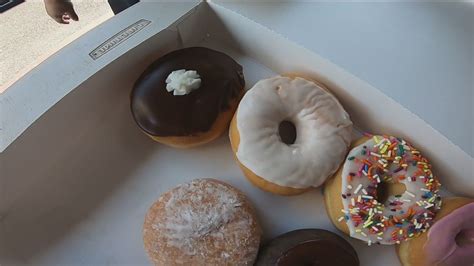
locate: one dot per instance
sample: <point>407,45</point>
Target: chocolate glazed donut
<point>308,247</point>
<point>160,113</point>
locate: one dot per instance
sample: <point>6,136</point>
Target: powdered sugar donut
<point>289,134</point>
<point>203,222</point>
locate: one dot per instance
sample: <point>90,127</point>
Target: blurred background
<point>29,35</point>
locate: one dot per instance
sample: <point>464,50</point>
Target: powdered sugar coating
<point>203,222</point>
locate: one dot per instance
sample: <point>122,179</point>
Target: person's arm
<point>62,11</point>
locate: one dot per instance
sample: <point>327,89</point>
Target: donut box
<point>77,175</point>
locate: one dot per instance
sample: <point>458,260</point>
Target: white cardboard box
<point>77,175</point>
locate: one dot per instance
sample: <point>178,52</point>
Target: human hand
<point>62,11</point>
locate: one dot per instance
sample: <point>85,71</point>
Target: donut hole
<point>465,238</point>
<point>386,189</point>
<point>287,132</point>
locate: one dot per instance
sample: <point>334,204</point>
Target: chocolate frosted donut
<point>308,247</point>
<point>161,113</point>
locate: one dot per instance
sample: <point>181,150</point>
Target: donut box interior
<point>77,175</point>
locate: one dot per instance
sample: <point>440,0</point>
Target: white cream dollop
<point>182,81</point>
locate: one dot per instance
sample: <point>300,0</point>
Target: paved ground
<point>29,35</point>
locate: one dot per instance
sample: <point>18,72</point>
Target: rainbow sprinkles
<point>387,159</point>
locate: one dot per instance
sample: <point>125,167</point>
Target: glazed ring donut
<point>308,247</point>
<point>289,134</point>
<point>376,165</point>
<point>203,222</point>
<point>450,241</point>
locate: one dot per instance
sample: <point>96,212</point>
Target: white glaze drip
<point>323,132</point>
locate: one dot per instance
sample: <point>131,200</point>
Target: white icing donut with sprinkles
<point>383,161</point>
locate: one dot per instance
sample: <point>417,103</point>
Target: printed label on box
<point>118,38</point>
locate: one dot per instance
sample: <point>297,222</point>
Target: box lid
<point>420,54</point>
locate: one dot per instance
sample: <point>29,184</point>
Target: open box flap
<point>370,109</point>
<point>379,44</point>
<point>32,95</point>
<point>86,200</point>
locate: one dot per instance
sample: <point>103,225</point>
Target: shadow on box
<point>71,159</point>
<point>86,147</point>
